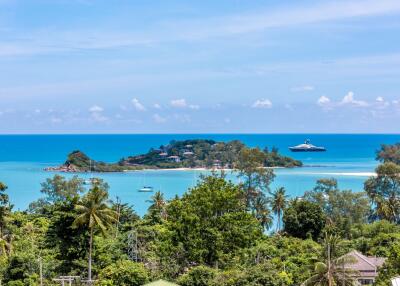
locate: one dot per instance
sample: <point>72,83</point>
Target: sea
<point>350,158</point>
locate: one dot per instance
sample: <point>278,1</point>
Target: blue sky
<point>168,66</point>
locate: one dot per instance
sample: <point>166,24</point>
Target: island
<point>190,154</point>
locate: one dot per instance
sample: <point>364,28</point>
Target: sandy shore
<point>352,174</point>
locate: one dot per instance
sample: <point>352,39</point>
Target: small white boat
<point>146,189</point>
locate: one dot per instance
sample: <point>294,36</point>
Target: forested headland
<point>217,233</point>
<point>195,153</point>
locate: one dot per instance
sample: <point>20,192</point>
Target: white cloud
<point>302,88</point>
<point>323,101</point>
<point>381,103</point>
<point>96,108</point>
<point>97,116</point>
<point>182,103</point>
<point>157,106</point>
<point>138,106</point>
<point>262,103</point>
<point>348,99</point>
<point>178,103</point>
<point>158,118</point>
<point>96,113</point>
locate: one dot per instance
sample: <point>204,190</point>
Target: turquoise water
<point>350,159</point>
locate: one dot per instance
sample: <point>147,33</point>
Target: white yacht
<point>307,147</point>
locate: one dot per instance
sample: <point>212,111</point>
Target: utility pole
<point>133,246</point>
<point>118,215</point>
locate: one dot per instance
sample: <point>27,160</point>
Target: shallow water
<point>350,159</point>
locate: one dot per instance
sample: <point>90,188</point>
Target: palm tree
<point>262,211</point>
<point>158,204</point>
<point>332,271</point>
<point>279,202</point>
<point>94,212</point>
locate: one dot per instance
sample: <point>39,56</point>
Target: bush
<point>123,273</point>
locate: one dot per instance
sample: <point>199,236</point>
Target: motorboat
<point>307,147</point>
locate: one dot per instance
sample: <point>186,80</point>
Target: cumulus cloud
<point>157,106</point>
<point>158,118</point>
<point>262,103</point>
<point>96,108</point>
<point>97,116</point>
<point>96,113</point>
<point>179,103</point>
<point>182,103</point>
<point>348,99</point>
<point>323,101</point>
<point>137,105</point>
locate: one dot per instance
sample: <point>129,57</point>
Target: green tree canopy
<point>343,208</point>
<point>384,191</point>
<point>124,273</point>
<point>303,219</point>
<point>210,222</point>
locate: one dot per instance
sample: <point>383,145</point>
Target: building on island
<point>174,158</point>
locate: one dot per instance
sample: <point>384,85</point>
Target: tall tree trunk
<point>329,266</point>
<point>90,256</point>
<point>278,226</point>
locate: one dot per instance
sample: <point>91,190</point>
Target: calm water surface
<point>350,159</point>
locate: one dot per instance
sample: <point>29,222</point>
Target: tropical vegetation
<point>218,233</point>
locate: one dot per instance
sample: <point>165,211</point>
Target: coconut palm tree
<point>262,212</point>
<point>158,205</point>
<point>279,201</point>
<point>94,213</point>
<point>332,271</point>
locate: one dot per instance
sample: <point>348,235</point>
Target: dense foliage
<point>217,233</point>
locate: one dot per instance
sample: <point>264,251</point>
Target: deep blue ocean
<point>349,158</point>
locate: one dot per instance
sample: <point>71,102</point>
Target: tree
<point>303,219</point>
<point>389,153</point>
<point>123,273</point>
<point>198,276</point>
<point>250,166</point>
<point>94,212</point>
<point>156,211</point>
<point>57,189</point>
<point>208,223</point>
<point>262,212</point>
<point>391,268</point>
<point>334,269</point>
<point>5,208</point>
<point>343,208</point>
<point>384,191</point>
<point>256,178</point>
<point>279,201</point>
<point>68,241</point>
